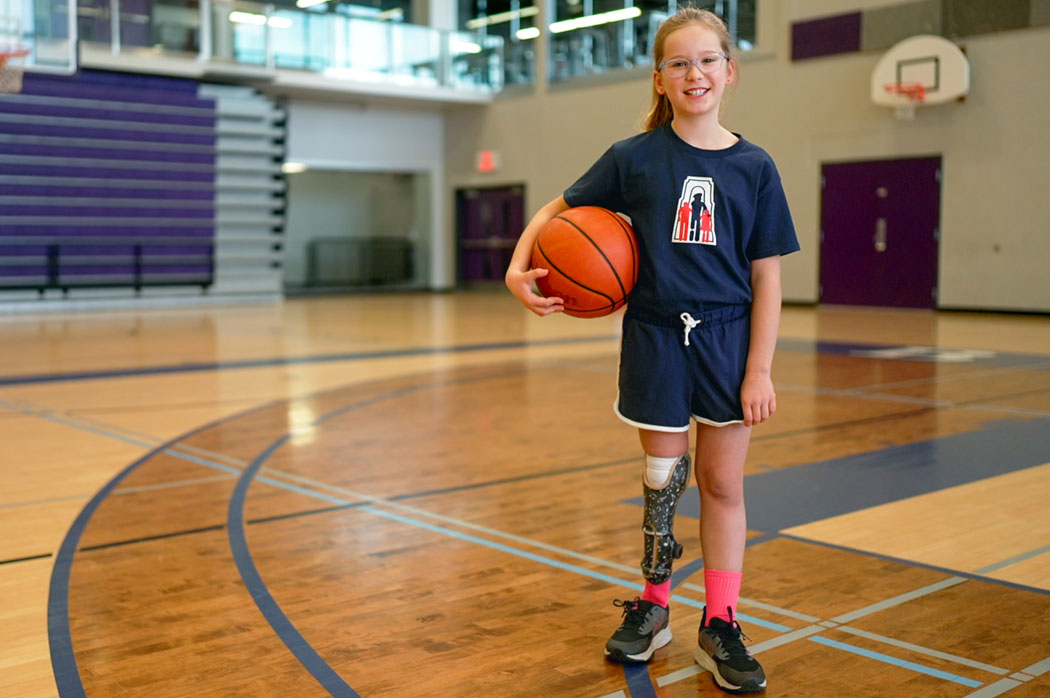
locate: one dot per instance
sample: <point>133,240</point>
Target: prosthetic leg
<point>661,548</point>
<point>646,624</point>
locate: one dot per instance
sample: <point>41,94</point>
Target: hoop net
<point>12,65</point>
<point>911,94</point>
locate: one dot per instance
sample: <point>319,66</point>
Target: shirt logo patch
<point>695,222</point>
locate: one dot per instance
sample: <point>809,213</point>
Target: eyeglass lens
<point>679,67</point>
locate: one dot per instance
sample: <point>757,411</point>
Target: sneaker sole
<point>659,640</point>
<point>708,662</point>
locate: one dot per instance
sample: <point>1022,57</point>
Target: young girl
<point>699,330</point>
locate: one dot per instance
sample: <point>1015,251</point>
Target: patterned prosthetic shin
<point>661,549</point>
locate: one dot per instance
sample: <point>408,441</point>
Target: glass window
<point>589,37</point>
<point>517,23</point>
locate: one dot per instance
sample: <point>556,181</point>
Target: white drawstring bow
<point>690,323</point>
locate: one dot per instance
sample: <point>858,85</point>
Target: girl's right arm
<point>520,278</point>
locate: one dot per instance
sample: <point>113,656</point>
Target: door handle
<point>880,235</point>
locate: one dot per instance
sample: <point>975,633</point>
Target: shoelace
<point>632,611</point>
<point>731,637</point>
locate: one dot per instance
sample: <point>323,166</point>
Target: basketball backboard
<point>927,60</point>
<point>47,28</point>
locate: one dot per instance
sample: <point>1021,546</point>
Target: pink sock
<point>723,592</point>
<point>658,593</point>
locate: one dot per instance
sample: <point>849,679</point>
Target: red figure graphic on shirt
<point>694,219</point>
<point>706,227</point>
<point>685,213</point>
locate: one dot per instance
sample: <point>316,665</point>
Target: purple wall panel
<point>116,115</point>
<point>123,134</point>
<point>108,212</point>
<point>107,192</point>
<point>203,231</point>
<point>118,87</point>
<point>826,36</point>
<point>94,172</point>
<point>103,154</point>
<point>98,244</point>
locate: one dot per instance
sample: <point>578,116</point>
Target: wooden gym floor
<point>429,495</point>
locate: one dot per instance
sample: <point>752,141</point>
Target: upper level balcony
<point>281,49</point>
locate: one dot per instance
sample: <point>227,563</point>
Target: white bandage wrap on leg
<point>658,470</point>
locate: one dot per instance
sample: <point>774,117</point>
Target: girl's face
<point>697,93</point>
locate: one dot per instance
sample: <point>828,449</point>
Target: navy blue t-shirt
<point>700,216</point>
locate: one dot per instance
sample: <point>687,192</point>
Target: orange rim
<point>912,90</point>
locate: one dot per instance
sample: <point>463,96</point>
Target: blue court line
<point>57,605</point>
<point>60,641</point>
<point>242,557</point>
<point>879,656</point>
<point>639,683</point>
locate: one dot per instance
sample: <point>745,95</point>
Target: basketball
<point>591,255</point>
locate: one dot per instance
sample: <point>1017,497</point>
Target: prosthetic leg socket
<point>661,548</point>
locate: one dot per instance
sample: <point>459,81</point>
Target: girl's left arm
<point>756,393</point>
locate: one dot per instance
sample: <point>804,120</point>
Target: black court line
<point>25,559</point>
<point>149,539</point>
<point>203,529</point>
<point>1034,361</point>
<point>911,563</point>
<point>289,361</point>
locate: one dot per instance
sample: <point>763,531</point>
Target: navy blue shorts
<point>663,383</point>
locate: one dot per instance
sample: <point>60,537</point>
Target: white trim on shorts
<point>712,423</point>
<point>640,425</point>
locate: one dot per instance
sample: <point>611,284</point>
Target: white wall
<point>341,135</point>
<point>994,206</point>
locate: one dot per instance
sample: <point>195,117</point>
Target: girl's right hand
<point>523,285</point>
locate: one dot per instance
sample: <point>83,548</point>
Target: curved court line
<point>637,677</point>
<point>60,641</point>
<point>292,638</point>
<point>89,510</point>
<point>59,637</point>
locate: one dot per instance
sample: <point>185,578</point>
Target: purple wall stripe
<point>107,192</point>
<point>108,212</point>
<point>120,89</point>
<point>114,114</point>
<point>160,135</point>
<point>102,154</point>
<point>107,173</point>
<point>826,36</point>
<point>204,232</point>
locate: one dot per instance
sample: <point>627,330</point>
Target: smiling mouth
<point>697,92</point>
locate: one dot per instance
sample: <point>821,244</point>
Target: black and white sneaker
<point>644,630</point>
<point>722,652</point>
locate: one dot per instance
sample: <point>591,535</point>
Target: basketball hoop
<point>12,65</point>
<point>910,94</point>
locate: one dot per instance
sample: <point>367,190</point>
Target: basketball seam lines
<point>595,291</point>
<point>630,241</point>
<point>612,267</point>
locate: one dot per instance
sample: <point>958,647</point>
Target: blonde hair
<point>660,112</point>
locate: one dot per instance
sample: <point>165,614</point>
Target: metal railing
<point>332,44</point>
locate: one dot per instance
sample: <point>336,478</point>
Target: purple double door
<point>880,225</point>
<point>489,222</point>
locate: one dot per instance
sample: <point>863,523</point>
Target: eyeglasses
<point>679,67</point>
